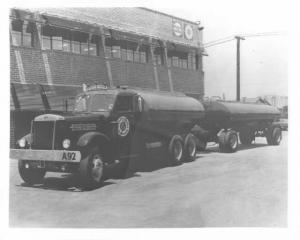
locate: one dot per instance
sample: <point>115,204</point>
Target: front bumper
<point>46,155</point>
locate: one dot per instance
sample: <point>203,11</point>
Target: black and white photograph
<point>148,116</point>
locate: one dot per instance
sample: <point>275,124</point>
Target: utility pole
<point>238,86</point>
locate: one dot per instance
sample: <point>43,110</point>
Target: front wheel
<point>92,169</point>
<point>29,174</point>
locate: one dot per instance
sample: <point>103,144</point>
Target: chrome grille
<point>43,135</point>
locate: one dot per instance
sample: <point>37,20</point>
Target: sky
<point>264,60</point>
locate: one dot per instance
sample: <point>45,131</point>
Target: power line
<point>218,40</point>
<point>217,43</point>
<point>232,37</point>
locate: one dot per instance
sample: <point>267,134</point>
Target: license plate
<point>69,156</point>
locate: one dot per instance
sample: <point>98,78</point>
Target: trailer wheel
<point>30,175</point>
<point>228,141</point>
<point>190,147</point>
<point>247,136</point>
<point>91,169</point>
<point>274,136</point>
<point>175,150</point>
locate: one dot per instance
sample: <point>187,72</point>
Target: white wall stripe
<point>47,68</point>
<point>20,66</point>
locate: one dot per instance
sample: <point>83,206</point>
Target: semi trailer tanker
<point>226,122</point>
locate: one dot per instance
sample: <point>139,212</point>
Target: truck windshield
<point>94,103</point>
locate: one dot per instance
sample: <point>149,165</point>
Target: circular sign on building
<point>188,32</point>
<point>177,29</point>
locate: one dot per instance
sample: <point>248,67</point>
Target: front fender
<point>89,137</point>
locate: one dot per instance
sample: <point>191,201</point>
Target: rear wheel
<point>190,147</point>
<point>30,174</point>
<point>176,150</point>
<point>274,136</point>
<point>228,141</point>
<point>92,169</point>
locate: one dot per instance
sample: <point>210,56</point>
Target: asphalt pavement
<point>243,189</point>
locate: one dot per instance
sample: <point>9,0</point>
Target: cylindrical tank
<point>230,113</point>
<point>169,113</point>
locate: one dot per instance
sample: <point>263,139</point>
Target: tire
<point>246,136</point>
<point>92,168</point>
<point>274,136</point>
<point>190,148</point>
<point>175,150</point>
<point>30,175</point>
<point>228,141</point>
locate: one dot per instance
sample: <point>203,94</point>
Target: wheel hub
<point>177,151</point>
<point>191,149</point>
<point>233,141</point>
<point>97,168</point>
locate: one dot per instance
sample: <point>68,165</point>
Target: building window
<point>69,41</point>
<point>94,45</point>
<point>76,47</point>
<point>57,43</point>
<point>129,55</point>
<point>126,50</point>
<point>80,42</point>
<point>16,38</point>
<point>143,57</point>
<point>27,39</point>
<point>116,51</point>
<point>184,63</point>
<point>108,51</point>
<point>22,36</point>
<point>136,56</point>
<point>182,59</point>
<point>124,54</point>
<point>66,45</point>
<point>158,56</point>
<point>84,48</point>
<point>192,61</point>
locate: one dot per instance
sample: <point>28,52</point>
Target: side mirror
<point>138,103</point>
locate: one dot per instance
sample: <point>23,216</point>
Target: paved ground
<point>243,189</point>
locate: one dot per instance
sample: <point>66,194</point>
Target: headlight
<point>22,142</point>
<point>66,143</point>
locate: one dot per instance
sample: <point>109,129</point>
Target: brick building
<point>54,51</point>
<point>114,46</point>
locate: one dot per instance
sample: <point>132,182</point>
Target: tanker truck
<point>109,131</point>
<point>112,131</point>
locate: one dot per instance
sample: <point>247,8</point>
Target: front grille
<point>42,135</point>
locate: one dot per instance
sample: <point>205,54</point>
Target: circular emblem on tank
<point>123,126</point>
<point>188,32</point>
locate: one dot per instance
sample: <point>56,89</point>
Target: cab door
<point>124,118</point>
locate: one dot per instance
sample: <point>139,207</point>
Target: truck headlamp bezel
<point>66,143</point>
<point>22,143</point>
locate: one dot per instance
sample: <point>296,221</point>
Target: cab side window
<point>124,104</point>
